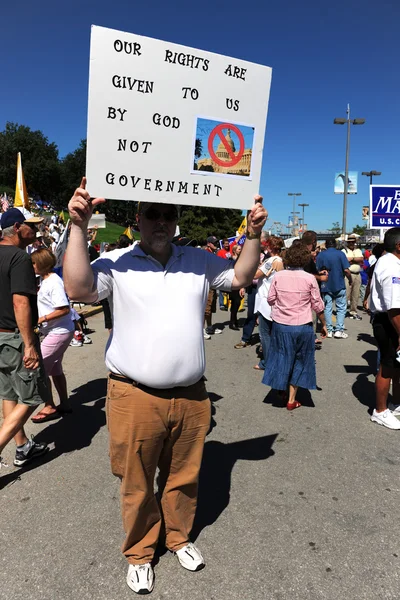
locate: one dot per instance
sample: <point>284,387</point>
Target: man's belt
<point>123,379</point>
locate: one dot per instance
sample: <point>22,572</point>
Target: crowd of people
<point>158,410</point>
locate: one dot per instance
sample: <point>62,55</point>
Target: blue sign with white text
<point>384,206</point>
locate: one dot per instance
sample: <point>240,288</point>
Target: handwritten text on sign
<point>167,123</point>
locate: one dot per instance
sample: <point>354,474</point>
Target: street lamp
<point>294,204</point>
<point>303,207</point>
<point>371,174</point>
<point>346,172</point>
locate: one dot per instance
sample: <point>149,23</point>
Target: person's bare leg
<point>8,406</point>
<point>382,387</point>
<point>292,393</point>
<point>49,408</point>
<point>14,421</point>
<point>60,384</point>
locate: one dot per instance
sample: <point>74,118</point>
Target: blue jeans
<point>265,328</point>
<point>221,299</point>
<point>251,319</point>
<point>340,299</point>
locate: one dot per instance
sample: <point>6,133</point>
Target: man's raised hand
<point>80,207</point>
<point>257,216</point>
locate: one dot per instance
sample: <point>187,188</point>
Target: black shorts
<point>387,340</point>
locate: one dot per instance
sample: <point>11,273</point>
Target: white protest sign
<point>168,123</point>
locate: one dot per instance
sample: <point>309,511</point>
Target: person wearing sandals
<point>57,327</point>
<point>265,276</point>
<point>293,295</point>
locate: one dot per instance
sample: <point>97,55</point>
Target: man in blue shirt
<point>337,264</point>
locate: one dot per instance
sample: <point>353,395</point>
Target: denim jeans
<point>265,328</point>
<point>251,319</point>
<point>221,299</point>
<point>340,299</point>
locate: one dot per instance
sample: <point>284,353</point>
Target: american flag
<point>5,205</point>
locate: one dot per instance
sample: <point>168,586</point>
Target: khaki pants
<point>164,428</point>
<point>353,292</point>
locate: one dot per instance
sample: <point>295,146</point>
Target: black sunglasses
<point>154,214</point>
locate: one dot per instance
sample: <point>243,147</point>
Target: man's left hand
<point>257,216</point>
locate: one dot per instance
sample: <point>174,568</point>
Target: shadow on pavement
<point>364,389</point>
<point>215,475</point>
<point>303,396</point>
<point>71,432</point>
<point>367,338</point>
<point>213,398</point>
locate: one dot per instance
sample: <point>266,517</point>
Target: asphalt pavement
<point>292,505</point>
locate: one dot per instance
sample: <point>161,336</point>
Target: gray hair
<point>8,231</point>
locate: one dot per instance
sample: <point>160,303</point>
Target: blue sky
<point>323,56</point>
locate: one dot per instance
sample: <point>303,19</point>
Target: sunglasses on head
<point>154,214</point>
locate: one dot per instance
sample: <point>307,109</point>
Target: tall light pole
<point>294,204</point>
<point>371,174</point>
<point>303,207</point>
<point>346,172</point>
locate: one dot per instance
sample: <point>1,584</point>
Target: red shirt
<point>223,253</point>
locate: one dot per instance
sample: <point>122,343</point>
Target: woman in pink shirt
<point>293,295</point>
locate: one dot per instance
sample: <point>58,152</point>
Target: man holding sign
<point>158,411</point>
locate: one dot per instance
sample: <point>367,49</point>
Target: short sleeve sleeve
<point>58,295</point>
<point>103,279</point>
<point>395,289</point>
<point>22,275</point>
<point>220,273</point>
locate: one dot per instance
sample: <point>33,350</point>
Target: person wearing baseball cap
<point>212,243</point>
<point>23,383</point>
<point>356,259</point>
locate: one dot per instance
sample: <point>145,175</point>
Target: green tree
<point>40,161</point>
<point>359,229</point>
<point>198,222</point>
<point>73,168</point>
<point>336,229</point>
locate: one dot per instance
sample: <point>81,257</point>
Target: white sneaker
<point>386,418</point>
<point>87,339</point>
<point>330,334</point>
<point>76,343</point>
<point>206,335</point>
<point>216,330</point>
<point>140,578</point>
<point>340,335</point>
<point>190,558</point>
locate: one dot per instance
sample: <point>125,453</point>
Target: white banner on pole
<point>168,123</point>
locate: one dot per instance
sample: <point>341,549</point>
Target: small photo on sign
<point>222,148</point>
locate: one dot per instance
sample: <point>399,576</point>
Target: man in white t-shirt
<point>158,411</point>
<point>356,260</point>
<point>385,307</point>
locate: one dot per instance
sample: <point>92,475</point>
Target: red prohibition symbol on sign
<point>218,131</point>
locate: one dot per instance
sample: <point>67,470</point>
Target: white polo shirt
<point>385,286</point>
<point>158,313</point>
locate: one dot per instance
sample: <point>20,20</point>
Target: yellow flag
<point>128,232</point>
<point>21,195</point>
<point>62,216</point>
<point>242,227</point>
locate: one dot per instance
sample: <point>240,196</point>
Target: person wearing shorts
<point>57,327</point>
<point>385,306</point>
<point>23,383</point>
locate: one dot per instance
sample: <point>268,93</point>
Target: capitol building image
<point>243,167</point>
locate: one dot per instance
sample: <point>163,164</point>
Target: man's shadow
<point>215,475</point>
<point>72,431</point>
<point>364,389</point>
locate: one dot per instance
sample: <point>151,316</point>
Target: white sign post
<point>168,123</point>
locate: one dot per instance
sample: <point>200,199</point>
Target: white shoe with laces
<point>190,558</point>
<point>216,330</point>
<point>140,578</point>
<point>340,335</point>
<point>385,418</point>
<point>206,335</point>
<point>330,334</point>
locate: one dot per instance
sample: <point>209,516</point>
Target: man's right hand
<point>31,358</point>
<point>323,276</point>
<point>81,207</point>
